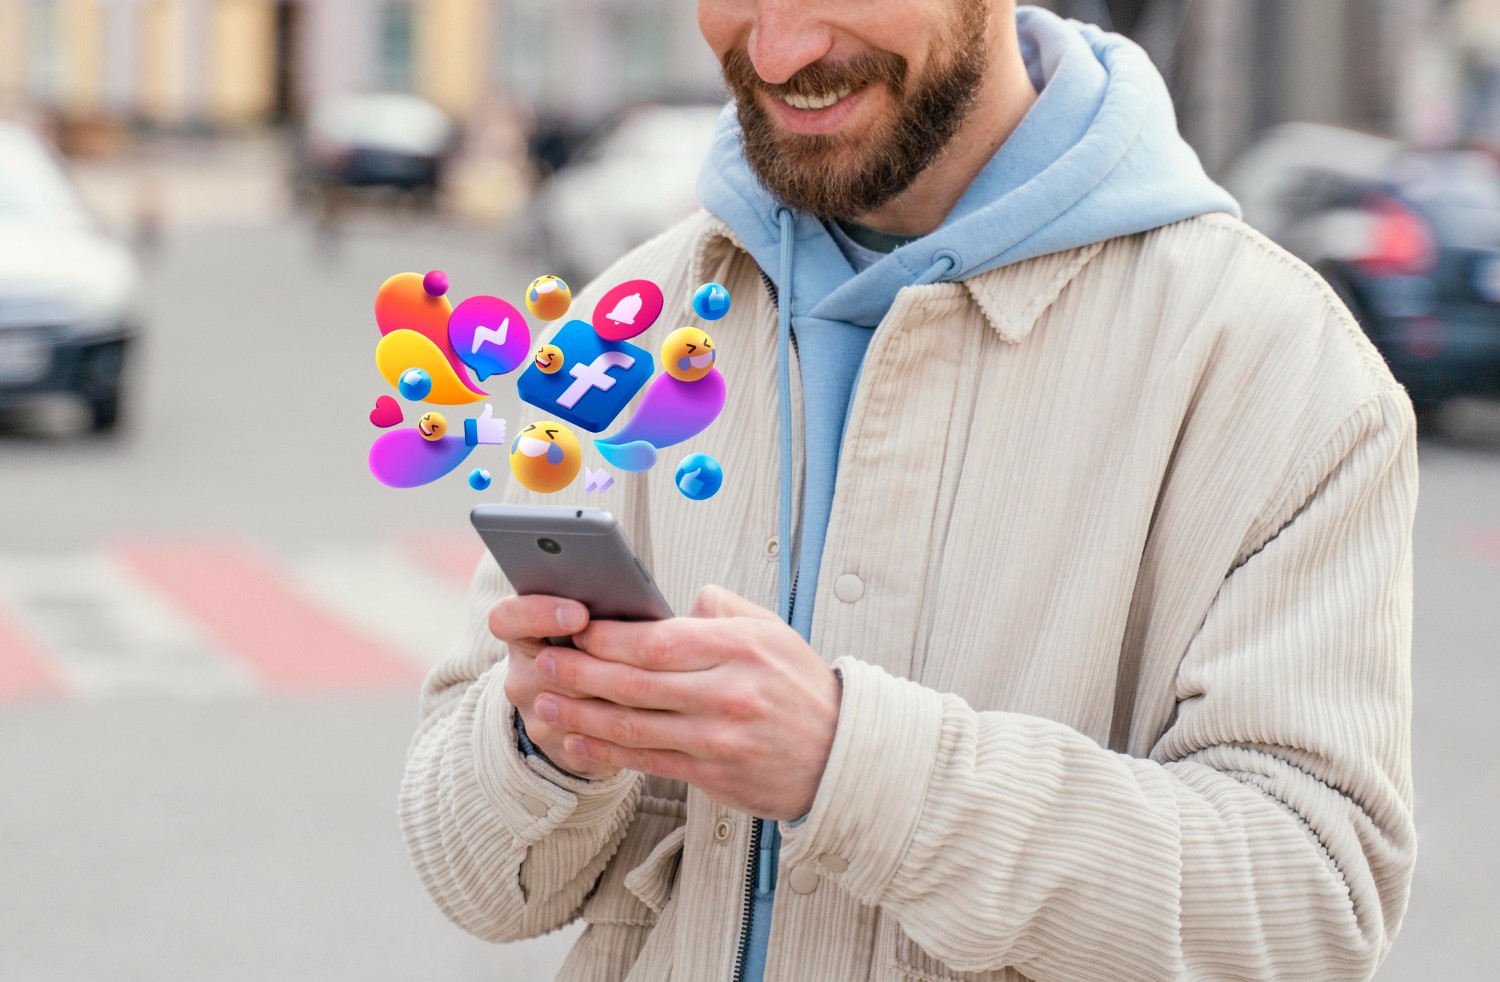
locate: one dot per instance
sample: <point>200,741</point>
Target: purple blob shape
<point>403,459</point>
<point>435,283</point>
<point>671,411</point>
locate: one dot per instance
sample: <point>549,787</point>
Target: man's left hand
<point>729,699</point>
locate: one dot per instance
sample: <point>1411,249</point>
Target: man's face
<point>844,103</point>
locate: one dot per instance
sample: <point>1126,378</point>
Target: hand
<point>485,430</point>
<point>729,699</point>
<point>524,623</point>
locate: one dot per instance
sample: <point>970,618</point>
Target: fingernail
<point>570,616</point>
<point>546,708</point>
<point>547,665</point>
<point>575,746</point>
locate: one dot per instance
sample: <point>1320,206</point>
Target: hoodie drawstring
<point>784,399</point>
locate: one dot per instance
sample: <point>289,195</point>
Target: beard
<point>840,176</point>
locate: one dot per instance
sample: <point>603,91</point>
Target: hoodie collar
<point>1011,298</point>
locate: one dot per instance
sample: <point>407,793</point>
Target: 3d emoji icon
<point>546,457</point>
<point>549,359</point>
<point>687,354</point>
<point>433,426</point>
<point>548,298</point>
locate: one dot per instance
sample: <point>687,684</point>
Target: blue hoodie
<point>1097,156</point>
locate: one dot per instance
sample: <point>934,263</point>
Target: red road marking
<point>1481,542</point>
<point>450,555</point>
<point>25,672</point>
<point>252,608</point>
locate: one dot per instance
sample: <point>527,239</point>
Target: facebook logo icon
<point>597,379</point>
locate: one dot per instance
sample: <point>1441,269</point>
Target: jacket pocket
<point>636,883</point>
<point>903,960</point>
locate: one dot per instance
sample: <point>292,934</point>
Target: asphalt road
<point>172,811</point>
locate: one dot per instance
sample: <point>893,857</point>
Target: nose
<point>787,37</point>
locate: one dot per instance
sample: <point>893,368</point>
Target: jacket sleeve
<point>1270,833</point>
<point>507,845</point>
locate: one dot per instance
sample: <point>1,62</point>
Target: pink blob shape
<point>627,310</point>
<point>671,411</point>
<point>403,459</point>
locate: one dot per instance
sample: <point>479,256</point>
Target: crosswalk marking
<point>108,634</point>
<point>394,600</point>
<point>24,672</point>
<point>257,612</point>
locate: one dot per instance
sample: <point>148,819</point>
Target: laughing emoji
<point>549,359</point>
<point>545,457</point>
<point>432,426</point>
<point>688,354</point>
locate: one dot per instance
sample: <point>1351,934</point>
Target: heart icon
<point>387,412</point>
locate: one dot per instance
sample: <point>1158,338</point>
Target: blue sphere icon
<point>415,384</point>
<point>711,301</point>
<point>699,476</point>
<point>479,479</point>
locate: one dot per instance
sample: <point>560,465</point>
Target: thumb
<point>489,411</point>
<point>716,601</point>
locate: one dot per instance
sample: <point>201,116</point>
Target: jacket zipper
<point>742,950</point>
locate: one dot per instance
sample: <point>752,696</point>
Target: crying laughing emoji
<point>688,354</point>
<point>545,457</point>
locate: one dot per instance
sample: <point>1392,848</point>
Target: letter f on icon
<point>594,375</point>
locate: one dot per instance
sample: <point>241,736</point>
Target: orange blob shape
<point>401,304</point>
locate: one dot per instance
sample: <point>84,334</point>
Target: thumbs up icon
<point>485,429</point>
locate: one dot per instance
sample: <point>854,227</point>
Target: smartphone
<point>577,553</point>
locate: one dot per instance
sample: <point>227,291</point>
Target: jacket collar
<point>1012,298</point>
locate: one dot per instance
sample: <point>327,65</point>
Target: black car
<point>390,140</point>
<point>1409,239</point>
<point>68,292</point>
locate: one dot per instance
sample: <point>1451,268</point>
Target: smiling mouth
<point>702,361</point>
<point>544,360</point>
<point>812,103</point>
<point>531,446</point>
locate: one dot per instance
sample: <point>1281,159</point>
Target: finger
<point>716,601</point>
<point>574,672</point>
<point>536,616</point>
<point>638,728</point>
<point>677,645</point>
<point>671,764</point>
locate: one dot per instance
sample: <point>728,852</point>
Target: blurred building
<point>231,63</point>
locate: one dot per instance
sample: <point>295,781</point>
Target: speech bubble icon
<point>490,335</point>
<point>671,411</point>
<point>403,459</point>
<point>400,351</point>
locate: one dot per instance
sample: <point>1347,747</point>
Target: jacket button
<point>832,863</point>
<point>804,879</point>
<point>538,807</point>
<point>723,830</point>
<point>773,548</point>
<point>849,588</point>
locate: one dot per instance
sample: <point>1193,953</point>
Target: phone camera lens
<point>551,546</point>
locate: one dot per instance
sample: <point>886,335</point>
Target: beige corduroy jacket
<point>1118,577</point>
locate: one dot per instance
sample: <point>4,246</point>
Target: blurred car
<point>387,139</point>
<point>68,292</point>
<point>1409,239</point>
<point>636,178</point>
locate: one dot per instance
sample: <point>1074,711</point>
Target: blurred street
<point>184,801</point>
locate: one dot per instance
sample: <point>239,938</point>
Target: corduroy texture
<point>1135,522</point>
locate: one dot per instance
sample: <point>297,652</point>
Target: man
<point>1065,542</point>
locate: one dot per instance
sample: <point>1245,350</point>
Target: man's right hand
<point>524,624</point>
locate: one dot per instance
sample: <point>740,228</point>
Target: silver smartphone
<point>577,553</point>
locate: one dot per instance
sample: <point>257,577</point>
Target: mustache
<point>818,79</point>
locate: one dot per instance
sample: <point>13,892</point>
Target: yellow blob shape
<point>549,359</point>
<point>400,350</point>
<point>432,426</point>
<point>545,457</point>
<point>548,298</point>
<point>688,354</point>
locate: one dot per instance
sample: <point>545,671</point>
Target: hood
<point>64,274</point>
<point>1098,156</point>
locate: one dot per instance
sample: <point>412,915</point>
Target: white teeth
<point>814,102</point>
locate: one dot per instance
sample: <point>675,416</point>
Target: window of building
<point>394,65</point>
